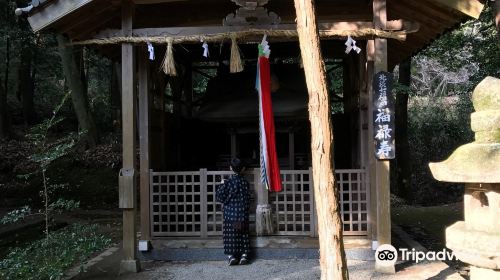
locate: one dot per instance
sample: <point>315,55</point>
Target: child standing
<point>234,194</point>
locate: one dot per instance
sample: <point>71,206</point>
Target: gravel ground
<point>259,269</point>
<point>284,269</point>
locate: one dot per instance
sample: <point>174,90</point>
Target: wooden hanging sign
<point>383,116</point>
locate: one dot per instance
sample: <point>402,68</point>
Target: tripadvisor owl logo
<point>386,255</point>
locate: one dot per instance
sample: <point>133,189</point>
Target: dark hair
<point>237,165</point>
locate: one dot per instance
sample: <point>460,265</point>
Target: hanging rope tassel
<point>236,65</point>
<point>168,64</point>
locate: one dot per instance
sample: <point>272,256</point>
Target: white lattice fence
<point>183,203</point>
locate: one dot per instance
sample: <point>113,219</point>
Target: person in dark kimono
<point>234,194</point>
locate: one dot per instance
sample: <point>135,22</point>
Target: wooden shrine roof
<point>83,19</point>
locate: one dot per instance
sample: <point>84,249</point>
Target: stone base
<point>127,266</point>
<point>386,269</point>
<point>477,248</point>
<point>478,273</point>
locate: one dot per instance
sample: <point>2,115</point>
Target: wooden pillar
<point>364,135</point>
<point>332,255</point>
<point>371,175</point>
<point>130,263</point>
<point>382,167</point>
<point>144,139</point>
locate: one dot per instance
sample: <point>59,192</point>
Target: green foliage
<point>15,215</point>
<point>436,127</point>
<point>64,205</point>
<point>443,77</point>
<point>473,47</point>
<point>49,258</point>
<point>335,87</point>
<point>47,153</point>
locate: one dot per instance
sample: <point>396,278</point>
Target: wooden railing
<point>183,203</point>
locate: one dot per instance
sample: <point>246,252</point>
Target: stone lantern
<point>477,240</point>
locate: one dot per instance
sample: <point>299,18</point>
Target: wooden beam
<point>54,11</point>
<point>382,182</point>
<point>130,263</point>
<point>144,140</point>
<point>472,8</point>
<point>395,25</point>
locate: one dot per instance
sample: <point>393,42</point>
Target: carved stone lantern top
<point>479,161</point>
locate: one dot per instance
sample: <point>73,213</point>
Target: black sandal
<point>244,259</point>
<point>232,260</point>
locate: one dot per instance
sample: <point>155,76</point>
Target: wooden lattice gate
<point>183,203</point>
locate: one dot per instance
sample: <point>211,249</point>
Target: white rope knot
<point>151,51</point>
<point>351,45</point>
<point>206,53</point>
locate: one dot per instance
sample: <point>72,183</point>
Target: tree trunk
<point>402,147</point>
<point>78,93</point>
<point>326,194</point>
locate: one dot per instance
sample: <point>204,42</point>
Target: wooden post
<point>144,138</point>
<point>371,174</point>
<point>130,262</point>
<point>364,136</point>
<point>382,167</point>
<point>326,195</point>
<point>203,202</point>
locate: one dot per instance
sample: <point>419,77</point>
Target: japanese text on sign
<point>383,116</point>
